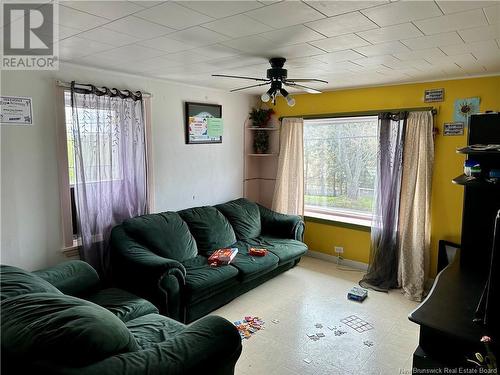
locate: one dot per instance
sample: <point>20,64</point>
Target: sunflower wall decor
<point>464,108</point>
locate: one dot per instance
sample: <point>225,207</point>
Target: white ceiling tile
<point>173,15</point>
<point>480,33</point>
<point>107,9</point>
<point>74,47</point>
<point>402,11</point>
<point>459,49</point>
<point>237,26</point>
<point>187,57</point>
<point>420,64</point>
<point>78,20</point>
<point>460,6</point>
<point>493,14</point>
<point>252,44</point>
<point>285,14</point>
<point>166,44</point>
<point>238,62</point>
<point>333,8</point>
<point>420,54</point>
<point>430,41</point>
<point>219,9</point>
<point>215,51</point>
<point>292,35</point>
<point>63,32</point>
<point>382,49</point>
<point>390,33</point>
<point>131,53</point>
<point>376,60</point>
<point>339,43</point>
<point>157,63</point>
<point>297,50</point>
<point>198,36</point>
<point>343,24</point>
<point>114,38</point>
<point>464,59</point>
<point>138,27</point>
<point>333,57</point>
<point>147,3</point>
<point>456,21</point>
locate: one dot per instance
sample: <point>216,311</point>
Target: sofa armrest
<point>211,345</point>
<point>73,277</point>
<point>142,272</point>
<point>281,225</point>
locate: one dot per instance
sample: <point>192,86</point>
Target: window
<point>340,164</point>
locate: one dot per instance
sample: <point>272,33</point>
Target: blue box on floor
<point>357,294</point>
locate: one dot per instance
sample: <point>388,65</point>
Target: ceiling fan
<point>277,77</point>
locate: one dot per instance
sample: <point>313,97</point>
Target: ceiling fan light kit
<point>277,78</point>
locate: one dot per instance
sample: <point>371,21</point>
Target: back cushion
<point>165,234</point>
<point>61,328</point>
<point>209,227</point>
<point>16,281</point>
<point>244,216</point>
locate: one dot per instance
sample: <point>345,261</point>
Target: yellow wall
<point>447,198</point>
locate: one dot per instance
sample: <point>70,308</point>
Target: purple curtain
<point>382,273</point>
<point>110,166</point>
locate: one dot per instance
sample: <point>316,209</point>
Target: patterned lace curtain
<point>110,166</point>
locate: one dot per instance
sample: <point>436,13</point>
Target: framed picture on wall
<point>203,123</point>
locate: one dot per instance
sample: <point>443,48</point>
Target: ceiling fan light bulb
<point>290,100</point>
<point>265,97</point>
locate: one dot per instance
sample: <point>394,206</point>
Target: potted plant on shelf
<point>260,119</point>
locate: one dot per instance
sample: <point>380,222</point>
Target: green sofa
<point>60,321</point>
<point>163,257</point>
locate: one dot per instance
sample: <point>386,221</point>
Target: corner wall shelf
<point>468,181</point>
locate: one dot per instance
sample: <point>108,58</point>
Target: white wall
<point>184,175</point>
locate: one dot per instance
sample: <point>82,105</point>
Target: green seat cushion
<point>16,281</point>
<point>209,227</point>
<point>150,330</point>
<point>204,281</point>
<point>244,217</point>
<point>285,249</point>
<point>251,267</point>
<point>165,234</point>
<point>61,328</point>
<point>124,305</point>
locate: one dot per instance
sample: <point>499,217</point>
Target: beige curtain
<point>414,211</point>
<point>289,189</point>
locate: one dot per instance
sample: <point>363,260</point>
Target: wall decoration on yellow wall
<point>464,108</point>
<point>433,95</point>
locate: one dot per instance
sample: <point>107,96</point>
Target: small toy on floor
<point>357,294</point>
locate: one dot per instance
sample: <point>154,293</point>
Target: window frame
<point>338,215</point>
<point>70,244</point>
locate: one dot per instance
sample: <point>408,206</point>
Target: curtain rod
<point>80,85</point>
<point>361,113</point>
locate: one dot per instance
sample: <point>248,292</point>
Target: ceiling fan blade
<point>249,87</point>
<point>240,77</point>
<point>305,80</point>
<point>310,90</point>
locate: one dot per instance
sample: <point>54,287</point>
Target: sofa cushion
<point>61,328</point>
<point>124,305</point>
<point>16,281</point>
<point>165,234</point>
<point>204,281</point>
<point>285,249</point>
<point>209,227</point>
<point>152,329</point>
<point>244,217</point>
<point>250,266</point>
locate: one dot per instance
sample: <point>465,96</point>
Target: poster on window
<point>204,123</point>
<point>16,110</point>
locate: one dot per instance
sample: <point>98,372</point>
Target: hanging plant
<point>260,117</point>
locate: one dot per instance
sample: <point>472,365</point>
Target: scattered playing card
<point>307,360</point>
<point>320,334</point>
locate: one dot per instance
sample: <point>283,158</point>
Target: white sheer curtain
<point>289,189</point>
<point>414,211</point>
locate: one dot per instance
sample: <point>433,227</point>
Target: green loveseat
<point>60,321</point>
<point>163,257</point>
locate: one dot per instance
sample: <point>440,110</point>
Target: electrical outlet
<point>339,250</point>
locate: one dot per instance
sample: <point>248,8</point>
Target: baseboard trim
<point>331,258</point>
